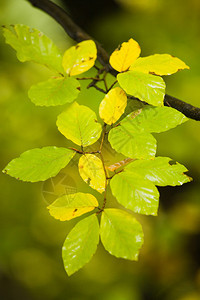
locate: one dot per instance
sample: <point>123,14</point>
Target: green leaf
<point>78,123</point>
<point>71,206</point>
<point>146,87</point>
<point>33,45</point>
<point>80,244</point>
<point>92,172</point>
<point>121,234</point>
<point>55,91</point>
<point>154,119</point>
<point>131,143</point>
<point>160,64</point>
<point>132,137</point>
<point>159,171</point>
<point>39,164</point>
<point>135,193</point>
<point>80,58</point>
<point>113,105</point>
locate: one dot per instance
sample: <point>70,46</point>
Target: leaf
<point>122,58</point>
<point>159,171</point>
<point>154,119</point>
<point>78,123</point>
<point>71,206</point>
<point>113,105</point>
<point>39,164</point>
<point>132,137</point>
<point>80,244</point>
<point>135,193</point>
<point>132,143</point>
<point>146,87</point>
<point>119,164</point>
<point>55,91</point>
<point>121,234</point>
<point>160,64</point>
<point>80,58</point>
<point>92,172</point>
<point>33,45</point>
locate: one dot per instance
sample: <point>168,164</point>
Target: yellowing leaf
<point>122,58</point>
<point>160,64</point>
<point>113,105</point>
<point>80,58</point>
<point>92,172</point>
<point>78,123</point>
<point>119,164</point>
<point>71,206</point>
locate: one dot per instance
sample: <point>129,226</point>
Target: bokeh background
<point>30,239</point>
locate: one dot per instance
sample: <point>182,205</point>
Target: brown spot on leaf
<point>78,88</point>
<point>77,46</point>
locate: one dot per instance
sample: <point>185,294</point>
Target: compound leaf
<point>113,105</point>
<point>146,87</point>
<point>159,171</point>
<point>135,193</point>
<point>33,45</point>
<point>39,164</point>
<point>55,91</point>
<point>121,234</point>
<point>79,58</point>
<point>80,244</point>
<point>122,58</point>
<point>71,206</point>
<point>78,123</point>
<point>160,64</point>
<point>92,172</point>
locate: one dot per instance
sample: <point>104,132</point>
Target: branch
<point>77,34</point>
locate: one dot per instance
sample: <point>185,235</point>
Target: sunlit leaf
<point>92,172</point>
<point>159,171</point>
<point>121,234</point>
<point>80,58</point>
<point>154,119</point>
<point>78,123</point>
<point>146,87</point>
<point>113,105</point>
<point>39,164</point>
<point>33,45</point>
<point>160,64</point>
<point>71,206</point>
<point>132,137</point>
<point>122,58</point>
<point>55,91</point>
<point>80,244</point>
<point>131,143</point>
<point>135,193</point>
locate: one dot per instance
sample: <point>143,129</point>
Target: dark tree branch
<point>77,34</point>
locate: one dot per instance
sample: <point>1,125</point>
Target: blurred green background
<point>30,239</point>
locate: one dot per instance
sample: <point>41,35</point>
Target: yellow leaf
<point>79,58</point>
<point>113,105</point>
<point>92,172</point>
<point>71,206</point>
<point>122,58</point>
<point>159,64</point>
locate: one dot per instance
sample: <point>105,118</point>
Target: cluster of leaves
<point>133,180</point>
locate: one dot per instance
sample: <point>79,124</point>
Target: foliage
<point>132,181</point>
